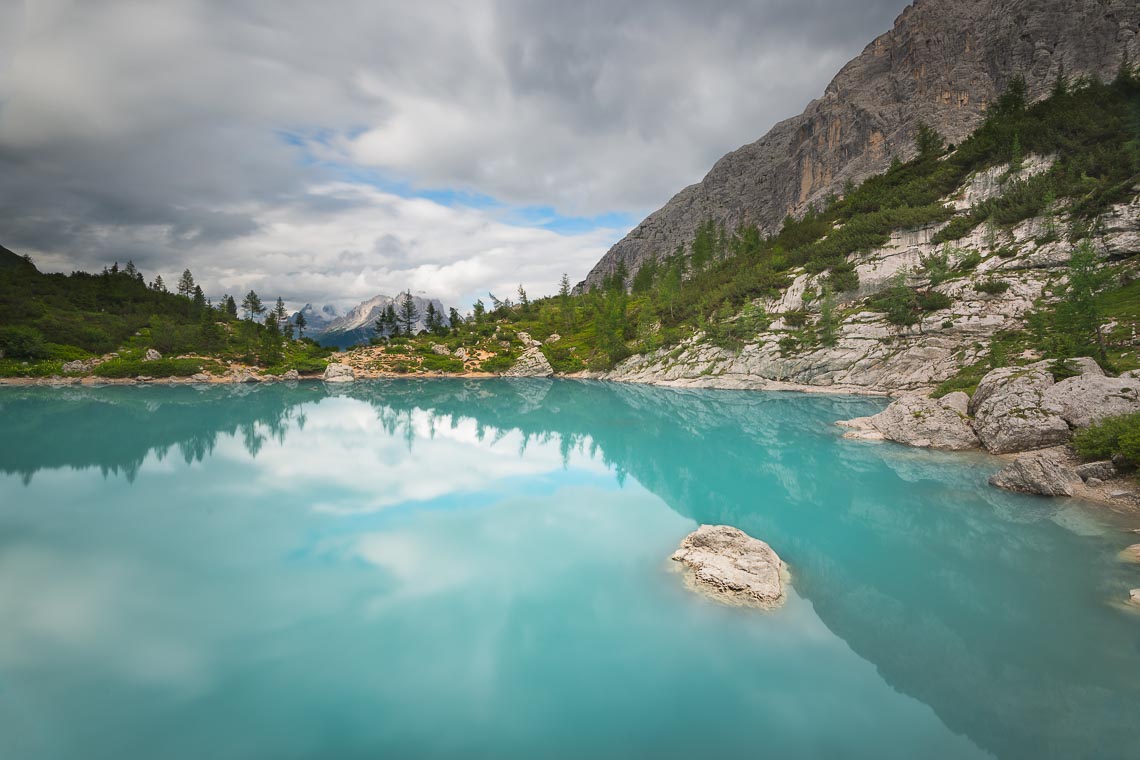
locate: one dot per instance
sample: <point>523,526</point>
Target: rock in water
<point>1131,554</point>
<point>532,363</point>
<point>1038,474</point>
<point>732,566</point>
<point>1134,596</point>
<point>1012,412</point>
<point>339,373</point>
<point>291,375</point>
<point>925,422</point>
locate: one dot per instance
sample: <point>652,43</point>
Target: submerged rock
<point>1134,596</point>
<point>1037,474</point>
<point>532,363</point>
<point>1131,554</point>
<point>733,567</point>
<point>339,373</point>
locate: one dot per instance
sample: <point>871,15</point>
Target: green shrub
<point>120,368</point>
<point>932,300</point>
<point>1115,435</point>
<point>562,358</point>
<point>795,318</point>
<point>959,227</point>
<point>992,287</point>
<point>500,363</point>
<point>439,363</point>
<point>22,343</point>
<point>843,278</point>
<point>969,262</point>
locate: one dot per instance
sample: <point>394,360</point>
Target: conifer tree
<point>199,297</point>
<point>158,285</point>
<point>280,312</point>
<point>408,315</point>
<point>252,305</point>
<point>186,284</point>
<point>231,307</point>
<point>299,322</point>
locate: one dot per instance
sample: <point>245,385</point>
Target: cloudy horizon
<point>330,153</point>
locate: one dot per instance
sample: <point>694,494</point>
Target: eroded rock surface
<point>1012,412</point>
<point>733,567</point>
<point>1038,474</point>
<point>918,421</point>
<point>532,363</point>
<point>339,373</point>
<point>1085,400</point>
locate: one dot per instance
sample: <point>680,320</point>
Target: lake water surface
<point>480,569</point>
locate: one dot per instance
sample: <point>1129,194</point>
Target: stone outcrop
<point>532,363</point>
<point>291,375</point>
<point>440,350</point>
<point>919,421</point>
<point>1085,400</point>
<point>1039,474</point>
<point>338,373</point>
<point>942,63</point>
<point>151,355</point>
<point>1102,471</point>
<point>733,567</point>
<point>1011,412</point>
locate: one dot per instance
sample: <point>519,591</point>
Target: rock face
<point>732,566</point>
<point>1037,474</point>
<point>918,421</point>
<point>1105,470</point>
<point>942,63</point>
<point>532,363</point>
<point>1090,398</point>
<point>338,373</point>
<point>1012,413</point>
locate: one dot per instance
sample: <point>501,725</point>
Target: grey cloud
<point>153,131</point>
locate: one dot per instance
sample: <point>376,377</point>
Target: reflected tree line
<point>906,555</point>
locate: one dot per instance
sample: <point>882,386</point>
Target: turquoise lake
<point>455,568</point>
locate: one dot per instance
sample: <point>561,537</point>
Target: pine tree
<point>252,305</point>
<point>280,312</point>
<point>131,270</point>
<point>524,302</point>
<point>199,297</point>
<point>927,140</point>
<point>1016,159</point>
<point>478,311</point>
<point>158,285</point>
<point>231,307</point>
<point>392,325</point>
<point>186,284</point>
<point>299,322</point>
<point>453,318</point>
<point>564,305</point>
<point>827,320</point>
<point>408,315</point>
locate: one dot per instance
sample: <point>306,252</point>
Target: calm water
<point>469,569</point>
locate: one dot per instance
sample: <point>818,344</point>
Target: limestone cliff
<point>941,63</point>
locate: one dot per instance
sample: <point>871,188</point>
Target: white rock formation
<point>733,567</point>
<point>919,421</point>
<point>1011,412</point>
<point>1037,474</point>
<point>338,373</point>
<point>532,363</point>
<point>151,355</point>
<point>1090,398</point>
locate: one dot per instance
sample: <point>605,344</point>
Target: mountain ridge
<point>942,63</point>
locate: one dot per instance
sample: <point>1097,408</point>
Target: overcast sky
<point>331,151</point>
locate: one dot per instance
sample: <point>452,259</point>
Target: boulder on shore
<point>732,567</point>
<point>1088,399</point>
<point>1037,474</point>
<point>1012,413</point>
<point>1104,470</point>
<point>532,363</point>
<point>338,373</point>
<point>918,421</point>
<point>291,375</point>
